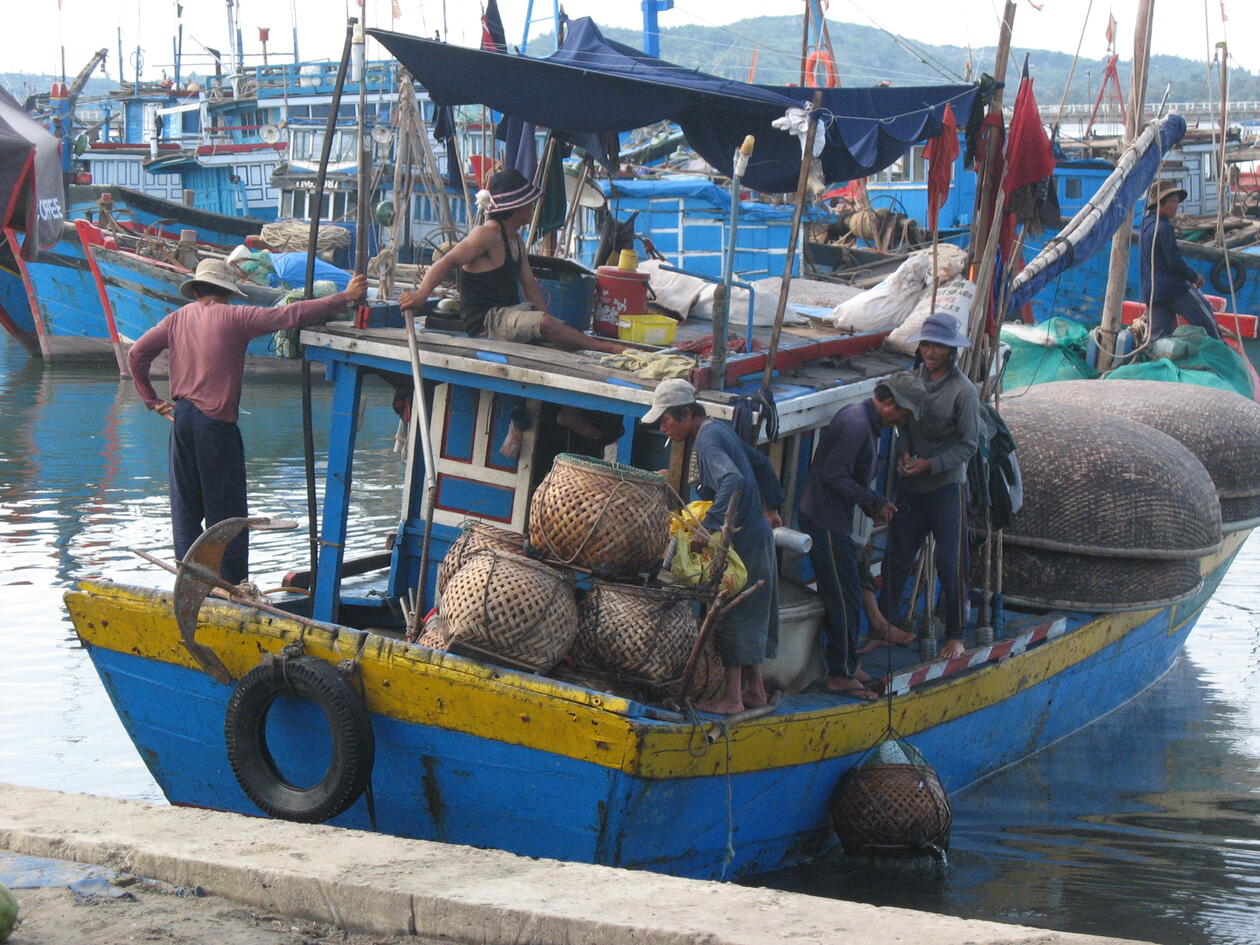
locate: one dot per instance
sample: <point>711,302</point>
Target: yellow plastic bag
<point>693,568</point>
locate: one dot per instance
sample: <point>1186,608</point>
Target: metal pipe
<point>717,361</point>
<point>317,202</point>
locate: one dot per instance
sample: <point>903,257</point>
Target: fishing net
<point>1191,356</point>
<point>1053,350</point>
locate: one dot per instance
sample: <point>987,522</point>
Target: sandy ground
<point>156,916</point>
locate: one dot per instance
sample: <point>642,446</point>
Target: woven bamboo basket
<point>435,633</point>
<point>643,633</point>
<point>603,517</point>
<point>1221,428</point>
<point>1116,514</point>
<point>891,809</point>
<point>507,607</point>
<point>472,537</point>
<point>1101,485</point>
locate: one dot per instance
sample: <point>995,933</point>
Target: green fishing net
<point>1053,350</point>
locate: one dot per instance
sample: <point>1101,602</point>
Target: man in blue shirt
<point>749,633</point>
<point>1168,283</point>
<point>840,474</point>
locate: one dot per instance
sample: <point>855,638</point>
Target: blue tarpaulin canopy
<point>594,85</point>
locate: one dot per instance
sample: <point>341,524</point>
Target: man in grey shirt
<point>932,478</point>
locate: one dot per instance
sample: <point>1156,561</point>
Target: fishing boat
<point>319,707</point>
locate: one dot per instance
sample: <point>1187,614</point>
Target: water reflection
<point>1146,825</point>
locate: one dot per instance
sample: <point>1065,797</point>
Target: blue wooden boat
<point>470,751</point>
<point>467,748</point>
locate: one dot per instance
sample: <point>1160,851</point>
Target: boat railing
<point>318,78</point>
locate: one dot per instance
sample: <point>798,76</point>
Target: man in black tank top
<point>493,270</point>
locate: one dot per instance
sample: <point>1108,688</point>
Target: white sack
<point>764,306</point>
<point>886,305</point>
<point>674,291</point>
<point>956,297</point>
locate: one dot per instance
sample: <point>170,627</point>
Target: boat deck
<point>809,367</point>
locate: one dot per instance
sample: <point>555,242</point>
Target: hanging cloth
<point>941,153</point>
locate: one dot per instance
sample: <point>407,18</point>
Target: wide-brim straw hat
<point>1161,189</point>
<point>214,273</point>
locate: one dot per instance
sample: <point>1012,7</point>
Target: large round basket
<point>603,517</point>
<point>474,536</point>
<point>509,608</point>
<point>1221,428</point>
<point>642,633</point>
<point>1116,514</point>
<point>891,809</point>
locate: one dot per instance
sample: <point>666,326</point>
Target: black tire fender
<point>1219,281</point>
<point>353,743</point>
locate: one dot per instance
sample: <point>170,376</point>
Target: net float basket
<point>599,516</point>
<point>508,608</point>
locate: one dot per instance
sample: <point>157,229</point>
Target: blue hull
<point>438,784</point>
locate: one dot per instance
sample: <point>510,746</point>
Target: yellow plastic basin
<point>647,329</point>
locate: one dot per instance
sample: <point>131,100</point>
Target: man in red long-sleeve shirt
<point>207,341</point>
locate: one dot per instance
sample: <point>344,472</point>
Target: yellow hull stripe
<point>421,686</point>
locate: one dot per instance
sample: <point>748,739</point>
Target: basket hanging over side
<point>507,606</point>
<point>600,516</point>
<point>891,802</point>
<point>474,536</point>
<point>644,633</point>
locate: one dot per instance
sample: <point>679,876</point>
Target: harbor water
<point>1145,825</point>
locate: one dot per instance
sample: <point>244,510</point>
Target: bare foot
<point>755,698</point>
<point>721,706</point>
<point>888,635</point>
<point>952,649</point>
<point>846,686</point>
<point>862,676</point>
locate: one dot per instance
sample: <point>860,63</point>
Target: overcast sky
<point>1182,27</point>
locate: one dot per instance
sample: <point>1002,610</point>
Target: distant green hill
<point>23,84</point>
<point>866,55</point>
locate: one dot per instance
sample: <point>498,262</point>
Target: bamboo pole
<point>990,141</point>
<point>1222,179</point>
<point>1117,273</point>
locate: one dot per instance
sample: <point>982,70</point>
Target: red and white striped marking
<point>999,650</point>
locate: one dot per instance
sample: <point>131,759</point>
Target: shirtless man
<point>493,270</point>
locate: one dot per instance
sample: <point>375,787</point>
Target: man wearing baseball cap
<point>749,633</point>
<point>493,269</point>
<point>840,476</point>
<point>1168,283</point>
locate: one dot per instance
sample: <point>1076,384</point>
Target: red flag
<point>1223,16</point>
<point>1029,157</point>
<point>493,39</point>
<point>1111,30</point>
<point>941,153</point>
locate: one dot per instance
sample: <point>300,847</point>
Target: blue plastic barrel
<point>568,288</point>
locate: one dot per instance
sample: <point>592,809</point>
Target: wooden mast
<point>1117,274</point>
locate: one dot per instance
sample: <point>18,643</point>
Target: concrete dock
<point>365,882</point>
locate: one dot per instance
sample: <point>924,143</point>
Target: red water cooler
<point>621,292</point>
